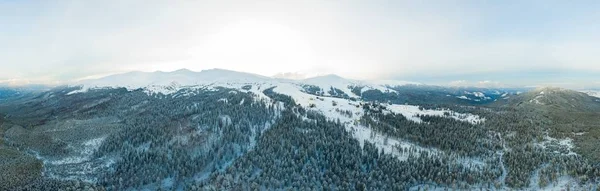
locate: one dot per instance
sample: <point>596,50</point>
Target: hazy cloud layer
<point>438,42</point>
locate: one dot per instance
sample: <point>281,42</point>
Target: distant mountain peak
<point>328,77</point>
<point>556,98</point>
<point>183,77</point>
<point>183,70</point>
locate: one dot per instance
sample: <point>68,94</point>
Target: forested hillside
<point>258,137</point>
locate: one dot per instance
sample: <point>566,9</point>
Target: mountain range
<point>225,130</point>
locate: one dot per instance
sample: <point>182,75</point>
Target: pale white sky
<point>514,42</point>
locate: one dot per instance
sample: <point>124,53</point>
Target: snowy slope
<point>171,82</point>
<point>411,112</point>
<point>333,81</point>
<point>334,108</point>
<point>594,93</point>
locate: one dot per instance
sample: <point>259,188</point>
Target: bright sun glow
<point>262,47</point>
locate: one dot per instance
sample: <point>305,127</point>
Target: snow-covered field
<point>411,112</point>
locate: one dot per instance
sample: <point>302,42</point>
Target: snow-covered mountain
<point>171,82</point>
<point>181,77</point>
<point>345,85</point>
<point>593,93</point>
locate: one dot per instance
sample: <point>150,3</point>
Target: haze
<point>515,43</point>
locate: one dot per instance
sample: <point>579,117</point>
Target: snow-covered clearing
<point>562,146</point>
<point>411,112</point>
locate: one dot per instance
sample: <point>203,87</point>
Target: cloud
<point>291,75</point>
<point>479,84</point>
<point>70,40</point>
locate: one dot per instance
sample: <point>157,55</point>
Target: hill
<point>569,115</point>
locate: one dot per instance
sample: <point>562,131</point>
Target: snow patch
<point>90,146</point>
<point>580,133</point>
<point>559,146</point>
<point>536,100</point>
<point>463,97</point>
<point>411,112</point>
<point>479,94</point>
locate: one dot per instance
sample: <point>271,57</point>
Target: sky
<point>517,43</point>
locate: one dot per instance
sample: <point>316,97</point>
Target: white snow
<point>411,112</point>
<point>68,160</point>
<point>77,91</point>
<point>593,93</point>
<point>328,81</point>
<point>171,82</point>
<point>334,108</point>
<point>566,144</point>
<point>90,146</point>
<point>567,183</point>
<point>536,100</point>
<point>389,145</point>
<point>479,94</point>
<point>580,133</point>
<point>325,106</point>
<point>463,97</point>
